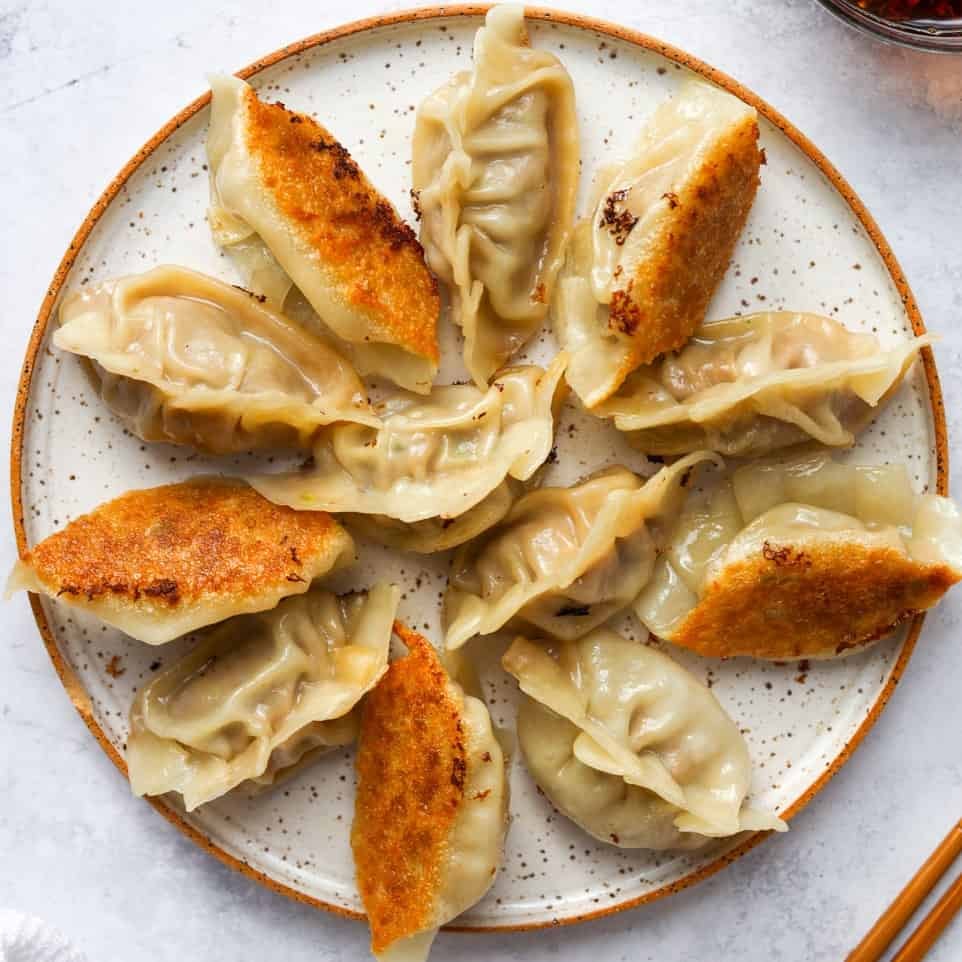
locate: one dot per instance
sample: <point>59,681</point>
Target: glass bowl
<point>923,35</point>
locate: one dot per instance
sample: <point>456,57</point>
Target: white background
<point>83,84</point>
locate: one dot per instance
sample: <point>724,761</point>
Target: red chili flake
<point>914,9</point>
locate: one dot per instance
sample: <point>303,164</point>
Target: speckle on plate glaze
<point>803,249</point>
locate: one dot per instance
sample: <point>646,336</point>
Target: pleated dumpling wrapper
<point>160,562</point>
<point>260,696</point>
<point>643,266</point>
<point>185,358</point>
<point>804,558</point>
<point>437,534</point>
<point>293,209</point>
<point>631,746</point>
<point>749,385</point>
<point>431,809</point>
<point>564,559</point>
<point>495,171</point>
<point>434,457</point>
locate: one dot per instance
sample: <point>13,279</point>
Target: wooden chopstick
<point>880,936</point>
<point>930,928</point>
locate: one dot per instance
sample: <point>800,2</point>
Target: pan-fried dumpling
<point>293,208</point>
<point>801,559</point>
<point>433,457</point>
<point>259,695</point>
<point>162,562</point>
<point>436,534</point>
<point>563,559</point>
<point>431,809</point>
<point>643,267</point>
<point>496,175</point>
<point>631,746</point>
<point>185,358</point>
<point>749,385</point>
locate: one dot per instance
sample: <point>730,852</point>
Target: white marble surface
<point>84,83</point>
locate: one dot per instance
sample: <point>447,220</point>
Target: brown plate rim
<point>72,683</point>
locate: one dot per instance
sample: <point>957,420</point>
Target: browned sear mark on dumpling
<point>618,221</point>
<point>668,296</point>
<point>625,314</point>
<point>785,555</point>
<point>374,256</point>
<point>785,603</point>
<point>411,767</point>
<point>179,544</point>
<point>344,165</point>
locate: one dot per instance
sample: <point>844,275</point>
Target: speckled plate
<point>809,245</point>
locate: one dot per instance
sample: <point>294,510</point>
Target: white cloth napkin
<point>27,939</point>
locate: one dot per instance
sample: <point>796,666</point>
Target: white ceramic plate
<point>808,245</point>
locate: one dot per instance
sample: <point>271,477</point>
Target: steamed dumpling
<point>749,385</point>
<point>496,174</point>
<point>631,746</point>
<point>433,457</point>
<point>302,749</point>
<point>646,262</point>
<point>259,695</point>
<point>187,359</point>
<point>292,208</point>
<point>162,562</point>
<point>563,559</point>
<point>436,534</point>
<point>431,809</point>
<point>801,559</point>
